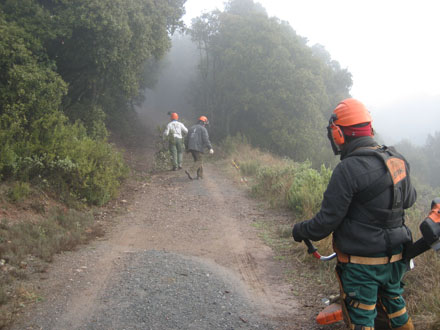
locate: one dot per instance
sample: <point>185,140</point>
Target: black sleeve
<point>334,207</point>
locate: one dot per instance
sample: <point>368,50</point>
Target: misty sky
<point>390,47</point>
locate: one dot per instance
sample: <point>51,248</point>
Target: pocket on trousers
<point>352,292</point>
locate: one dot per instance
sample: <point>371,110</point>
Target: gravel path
<point>161,290</point>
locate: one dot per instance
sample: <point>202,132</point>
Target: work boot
<point>179,167</point>
<point>189,175</point>
<point>174,168</point>
<point>199,173</point>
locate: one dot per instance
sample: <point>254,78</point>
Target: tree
<point>99,47</point>
<point>260,79</point>
<point>85,59</point>
<point>29,90</point>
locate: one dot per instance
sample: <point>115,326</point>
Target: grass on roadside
<point>61,230</point>
<point>27,244</point>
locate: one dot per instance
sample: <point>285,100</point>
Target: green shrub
<point>250,167</point>
<point>272,182</point>
<point>94,172</point>
<point>289,184</point>
<point>76,165</point>
<point>162,155</point>
<point>306,192</point>
<point>19,191</point>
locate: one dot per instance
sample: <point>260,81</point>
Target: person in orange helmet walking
<point>363,207</point>
<point>197,143</point>
<point>174,131</point>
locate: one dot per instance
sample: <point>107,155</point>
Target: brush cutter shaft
<point>311,249</point>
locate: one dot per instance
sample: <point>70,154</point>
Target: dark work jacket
<point>353,233</point>
<point>198,138</point>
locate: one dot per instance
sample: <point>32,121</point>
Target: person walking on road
<point>197,143</point>
<point>174,131</point>
<point>363,206</point>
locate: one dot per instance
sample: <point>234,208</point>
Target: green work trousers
<point>370,285</point>
<point>176,149</point>
<point>196,169</point>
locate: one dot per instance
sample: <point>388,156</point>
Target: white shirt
<point>176,128</point>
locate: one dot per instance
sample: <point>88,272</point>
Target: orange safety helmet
<point>174,116</point>
<point>204,119</point>
<point>349,112</point>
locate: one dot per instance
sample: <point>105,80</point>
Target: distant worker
<point>363,206</point>
<point>174,132</point>
<point>197,143</point>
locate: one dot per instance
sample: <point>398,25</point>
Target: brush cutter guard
<point>311,249</point>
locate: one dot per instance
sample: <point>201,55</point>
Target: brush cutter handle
<point>311,249</point>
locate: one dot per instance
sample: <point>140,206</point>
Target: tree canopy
<point>99,48</point>
<point>260,79</point>
<point>68,68</point>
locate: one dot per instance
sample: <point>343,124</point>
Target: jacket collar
<point>364,141</point>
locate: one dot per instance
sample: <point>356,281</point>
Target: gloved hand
<point>296,233</point>
<point>211,151</point>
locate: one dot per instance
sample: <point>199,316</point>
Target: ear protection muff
<point>335,135</point>
<point>335,131</point>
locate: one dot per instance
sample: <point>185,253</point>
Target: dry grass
<point>423,282</point>
<point>33,228</point>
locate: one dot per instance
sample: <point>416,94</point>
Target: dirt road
<point>180,255</point>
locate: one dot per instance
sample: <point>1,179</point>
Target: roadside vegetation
<point>285,184</point>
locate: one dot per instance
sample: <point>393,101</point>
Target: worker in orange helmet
<point>363,206</point>
<point>197,143</point>
<point>174,131</point>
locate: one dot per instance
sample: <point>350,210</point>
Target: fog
<point>409,119</point>
<point>393,61</point>
<point>171,91</point>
